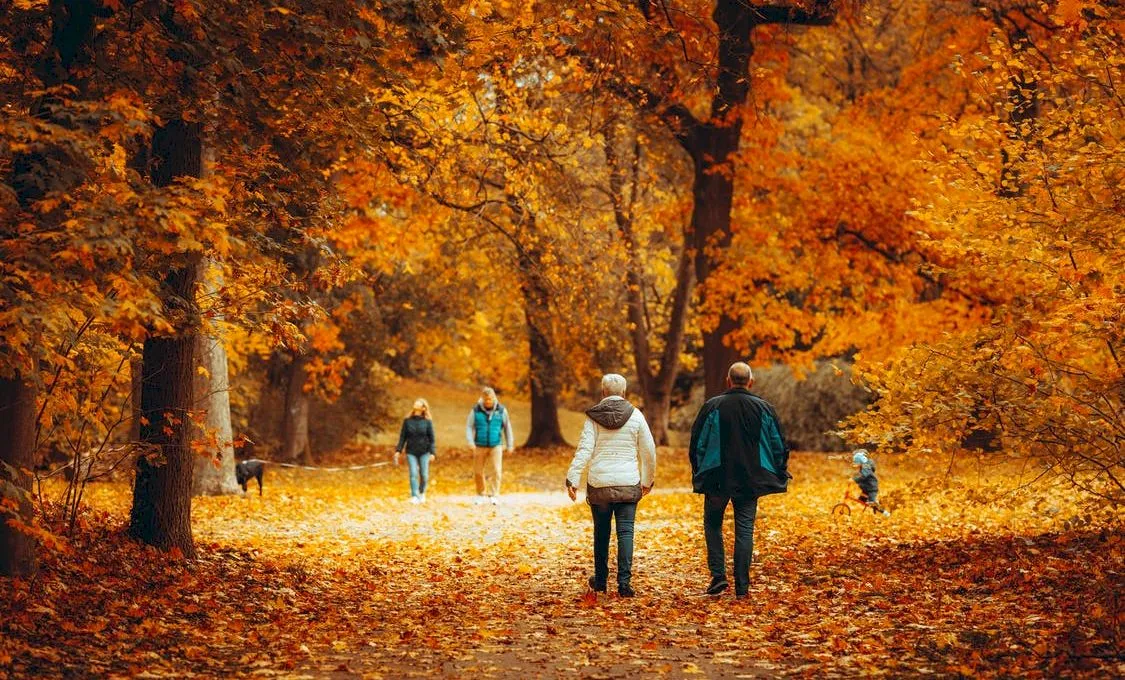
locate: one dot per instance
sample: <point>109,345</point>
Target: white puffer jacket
<point>617,447</point>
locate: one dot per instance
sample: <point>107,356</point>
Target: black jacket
<point>416,437</point>
<point>738,448</point>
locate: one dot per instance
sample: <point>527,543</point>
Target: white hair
<point>488,392</point>
<point>740,374</point>
<point>613,384</point>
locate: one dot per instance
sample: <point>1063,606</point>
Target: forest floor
<point>333,574</point>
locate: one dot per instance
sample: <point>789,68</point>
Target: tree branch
<point>677,117</point>
<point>822,13</point>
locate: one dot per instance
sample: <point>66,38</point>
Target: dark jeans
<point>625,514</point>
<point>745,512</point>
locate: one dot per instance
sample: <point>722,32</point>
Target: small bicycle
<point>844,507</point>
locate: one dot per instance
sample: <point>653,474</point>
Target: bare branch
<point>822,13</point>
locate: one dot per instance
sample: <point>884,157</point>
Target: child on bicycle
<point>867,481</point>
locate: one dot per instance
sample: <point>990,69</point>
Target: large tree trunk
<point>713,185</point>
<point>214,473</point>
<point>545,429</point>
<point>161,513</point>
<point>543,365</point>
<point>295,446</point>
<point>713,144</point>
<point>17,452</point>
<point>713,193</point>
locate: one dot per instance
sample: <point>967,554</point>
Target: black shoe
<point>594,585</point>
<point>741,596</point>
<point>718,585</point>
<point>626,591</point>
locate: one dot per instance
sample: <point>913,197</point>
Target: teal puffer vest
<point>488,427</point>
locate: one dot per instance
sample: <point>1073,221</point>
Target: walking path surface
<point>464,589</point>
<point>334,574</point>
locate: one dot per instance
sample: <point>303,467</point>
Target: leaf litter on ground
<point>333,574</point>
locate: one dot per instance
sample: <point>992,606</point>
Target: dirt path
<point>335,575</point>
<point>505,596</point>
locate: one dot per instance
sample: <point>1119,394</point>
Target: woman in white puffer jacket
<point>617,451</point>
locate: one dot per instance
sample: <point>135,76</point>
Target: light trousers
<point>487,465</point>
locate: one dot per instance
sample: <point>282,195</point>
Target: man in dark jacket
<point>738,454</point>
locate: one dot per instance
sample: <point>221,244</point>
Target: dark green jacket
<point>416,437</point>
<point>738,448</point>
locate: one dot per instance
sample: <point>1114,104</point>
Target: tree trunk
<point>214,473</point>
<point>543,365</point>
<point>17,452</point>
<point>713,144</point>
<point>545,429</point>
<point>712,147</point>
<point>161,513</point>
<point>295,419</point>
<point>658,407</point>
<point>713,192</point>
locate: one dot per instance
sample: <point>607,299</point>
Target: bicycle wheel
<point>841,510</point>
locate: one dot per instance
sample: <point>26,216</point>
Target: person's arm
<point>783,452</point>
<point>401,437</point>
<point>582,454</point>
<point>508,436</point>
<point>430,436</point>
<point>646,452</point>
<point>470,429</point>
<point>696,430</point>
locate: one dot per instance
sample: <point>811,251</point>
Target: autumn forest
<point>236,231</point>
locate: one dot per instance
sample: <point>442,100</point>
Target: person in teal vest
<point>489,431</point>
<point>738,454</point>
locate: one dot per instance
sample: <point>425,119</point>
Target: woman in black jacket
<point>416,440</point>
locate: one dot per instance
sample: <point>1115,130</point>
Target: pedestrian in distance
<point>416,440</point>
<point>738,454</point>
<point>489,432</point>
<point>618,455</point>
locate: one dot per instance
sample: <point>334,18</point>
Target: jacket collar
<point>495,406</point>
<point>612,412</point>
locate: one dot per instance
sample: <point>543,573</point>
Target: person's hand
<point>572,492</point>
<point>397,457</point>
<point>645,490</point>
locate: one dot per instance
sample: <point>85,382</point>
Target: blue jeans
<point>745,512</point>
<point>419,472</point>
<point>626,514</point>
